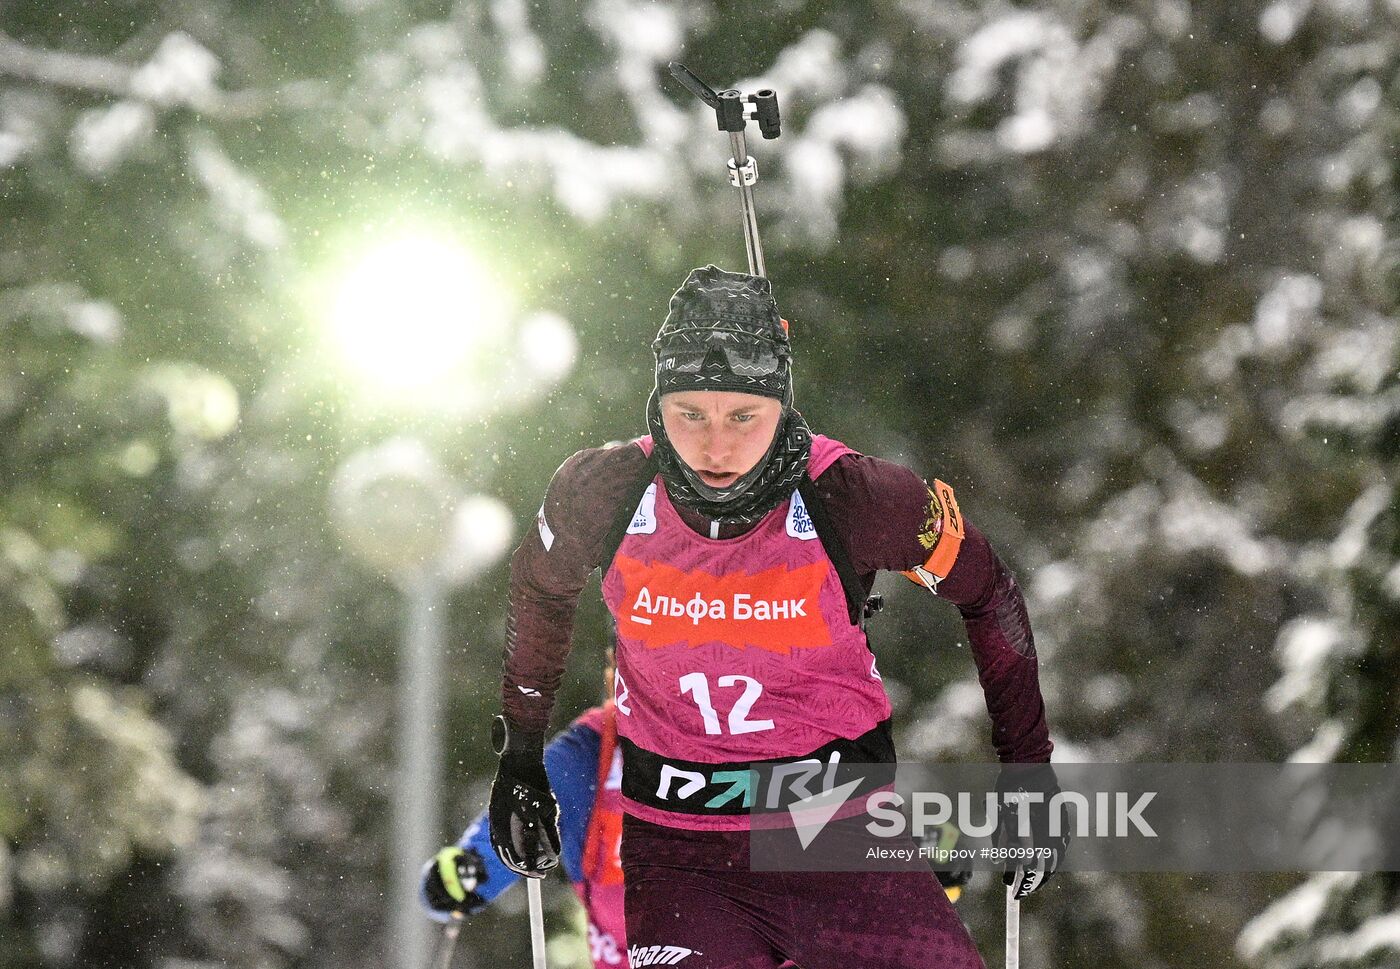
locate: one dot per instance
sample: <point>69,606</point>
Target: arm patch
<point>941,537</point>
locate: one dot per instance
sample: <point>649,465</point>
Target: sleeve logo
<point>546,533</point>
<point>933,525</point>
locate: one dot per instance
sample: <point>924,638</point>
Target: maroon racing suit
<point>690,898</point>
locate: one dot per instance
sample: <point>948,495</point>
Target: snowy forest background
<point>1125,274</point>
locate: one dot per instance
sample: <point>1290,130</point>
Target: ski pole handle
<point>536,921</point>
<point>1013,929</point>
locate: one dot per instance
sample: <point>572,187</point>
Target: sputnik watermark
<point>1175,817</point>
<point>1106,814</point>
<point>1109,814</point>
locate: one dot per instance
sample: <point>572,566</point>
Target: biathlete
<point>737,550</point>
<point>584,766</point>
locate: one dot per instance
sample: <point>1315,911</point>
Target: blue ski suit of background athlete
<point>571,761</point>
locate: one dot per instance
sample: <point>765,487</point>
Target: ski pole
<point>1013,925</point>
<point>449,941</point>
<point>536,922</point>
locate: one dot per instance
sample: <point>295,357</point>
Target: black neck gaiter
<point>756,493</point>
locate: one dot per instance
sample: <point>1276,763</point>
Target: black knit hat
<point>723,332</point>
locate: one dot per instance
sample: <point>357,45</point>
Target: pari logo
<point>785,781</point>
<point>778,609</point>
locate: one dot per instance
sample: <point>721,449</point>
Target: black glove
<point>451,878</point>
<point>524,814</point>
<point>1037,854</point>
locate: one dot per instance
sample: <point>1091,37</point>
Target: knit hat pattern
<point>715,310</point>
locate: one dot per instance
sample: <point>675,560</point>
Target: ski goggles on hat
<point>736,351</point>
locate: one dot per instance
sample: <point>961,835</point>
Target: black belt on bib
<point>741,787</point>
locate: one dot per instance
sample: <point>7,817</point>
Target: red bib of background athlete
<point>600,889</point>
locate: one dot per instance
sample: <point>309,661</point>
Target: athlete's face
<point>718,433</point>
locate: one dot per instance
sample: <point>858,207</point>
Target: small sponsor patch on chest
<point>799,522</point>
<point>644,518</point>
